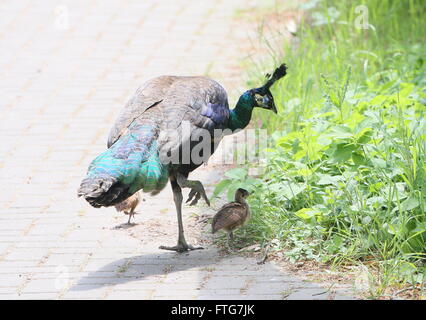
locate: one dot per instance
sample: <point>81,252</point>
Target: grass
<point>346,177</point>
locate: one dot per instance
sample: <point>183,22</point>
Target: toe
<point>191,195</point>
<point>195,201</point>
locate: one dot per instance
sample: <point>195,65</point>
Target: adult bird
<point>157,137</point>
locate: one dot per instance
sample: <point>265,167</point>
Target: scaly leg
<point>181,245</point>
<point>197,189</point>
<point>230,239</point>
<point>130,216</point>
<point>127,213</point>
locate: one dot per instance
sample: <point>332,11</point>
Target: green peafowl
<point>154,136</point>
<point>232,215</point>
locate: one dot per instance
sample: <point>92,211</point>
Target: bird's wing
<point>193,107</point>
<point>148,95</point>
<point>183,109</point>
<point>231,214</point>
<point>200,100</point>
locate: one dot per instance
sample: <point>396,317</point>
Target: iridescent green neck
<point>240,116</point>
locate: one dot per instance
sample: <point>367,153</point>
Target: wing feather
<point>229,216</point>
<point>148,95</point>
<point>168,102</point>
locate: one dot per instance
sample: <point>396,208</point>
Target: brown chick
<point>232,215</point>
<point>128,206</point>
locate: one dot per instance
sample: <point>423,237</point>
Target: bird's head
<point>262,96</point>
<point>243,193</point>
<point>264,100</point>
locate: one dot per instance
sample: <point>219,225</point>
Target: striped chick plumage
<point>129,205</point>
<point>232,215</point>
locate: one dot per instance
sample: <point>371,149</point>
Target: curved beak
<point>265,100</point>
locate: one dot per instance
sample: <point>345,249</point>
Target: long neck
<point>240,116</point>
<point>239,198</point>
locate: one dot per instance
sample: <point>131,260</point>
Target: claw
<point>191,195</point>
<point>195,201</point>
<point>195,196</point>
<point>197,189</point>
<point>206,200</point>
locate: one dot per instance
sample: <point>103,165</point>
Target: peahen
<point>232,215</point>
<point>155,137</point>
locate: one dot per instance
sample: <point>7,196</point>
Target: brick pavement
<point>66,70</point>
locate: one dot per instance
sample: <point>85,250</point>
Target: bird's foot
<point>231,250</point>
<point>181,247</point>
<point>197,190</point>
<point>195,195</point>
<point>229,242</point>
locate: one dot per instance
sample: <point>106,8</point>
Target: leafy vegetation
<point>346,176</point>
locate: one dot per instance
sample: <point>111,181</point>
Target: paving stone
<point>264,288</point>
<point>138,284</point>
<point>174,295</point>
<point>44,286</point>
<point>11,280</point>
<point>310,294</point>
<point>130,295</point>
<point>26,254</point>
<point>66,260</point>
<point>37,296</point>
<point>236,282</point>
<point>86,292</point>
<point>9,296</point>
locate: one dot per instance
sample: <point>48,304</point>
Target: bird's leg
<point>131,213</point>
<point>130,216</point>
<point>230,239</point>
<point>181,245</point>
<point>197,189</point>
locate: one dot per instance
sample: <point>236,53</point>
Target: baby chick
<point>232,215</point>
<point>128,206</point>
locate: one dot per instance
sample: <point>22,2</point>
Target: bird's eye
<point>258,98</point>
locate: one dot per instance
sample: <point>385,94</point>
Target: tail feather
<point>103,191</point>
<point>130,164</point>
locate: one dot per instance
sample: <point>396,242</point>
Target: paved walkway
<point>65,71</point>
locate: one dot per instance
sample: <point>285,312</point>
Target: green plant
<point>346,177</point>
<point>235,178</point>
